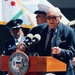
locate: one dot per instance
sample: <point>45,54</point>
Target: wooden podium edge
<point>37,64</point>
<point>44,64</point>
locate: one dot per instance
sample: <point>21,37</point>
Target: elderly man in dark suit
<point>57,40</point>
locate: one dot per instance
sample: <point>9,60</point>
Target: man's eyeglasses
<point>53,17</point>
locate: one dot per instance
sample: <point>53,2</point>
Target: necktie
<point>17,42</point>
<point>48,47</point>
<point>51,34</point>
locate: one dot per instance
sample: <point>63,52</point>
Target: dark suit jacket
<point>64,39</point>
<point>38,29</point>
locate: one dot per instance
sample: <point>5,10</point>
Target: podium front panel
<point>37,64</point>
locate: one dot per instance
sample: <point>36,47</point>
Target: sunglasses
<point>53,17</point>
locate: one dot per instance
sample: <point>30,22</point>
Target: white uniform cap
<point>42,9</point>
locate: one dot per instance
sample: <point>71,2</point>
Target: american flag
<point>18,64</point>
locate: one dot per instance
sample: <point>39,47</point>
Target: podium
<point>36,65</point>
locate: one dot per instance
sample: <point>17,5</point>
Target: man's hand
<point>56,50</point>
<point>20,47</point>
<point>73,61</point>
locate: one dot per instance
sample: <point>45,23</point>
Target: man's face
<point>40,18</point>
<point>53,19</point>
<point>15,32</point>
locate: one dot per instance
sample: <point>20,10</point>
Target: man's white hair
<point>55,9</point>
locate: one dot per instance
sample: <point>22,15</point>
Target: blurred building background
<point>67,7</point>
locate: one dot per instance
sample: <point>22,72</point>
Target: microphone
<point>36,38</point>
<point>28,40</point>
<point>29,37</point>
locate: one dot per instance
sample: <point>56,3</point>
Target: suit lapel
<point>59,34</point>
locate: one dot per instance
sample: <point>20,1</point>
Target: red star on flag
<point>13,3</point>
